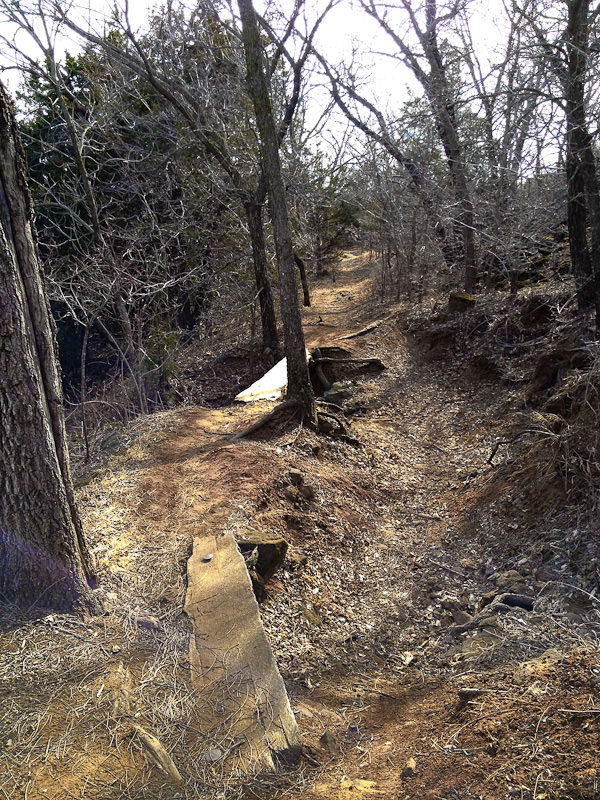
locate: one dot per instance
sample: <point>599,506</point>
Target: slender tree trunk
<point>303,279</point>
<point>299,385</point>
<point>592,190</point>
<point>44,559</point>
<point>254,217</point>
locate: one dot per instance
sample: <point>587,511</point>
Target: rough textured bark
<point>303,279</point>
<point>299,386</point>
<point>583,195</point>
<point>254,217</point>
<point>44,559</point>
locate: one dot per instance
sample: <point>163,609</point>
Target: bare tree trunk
<point>44,559</point>
<point>440,94</point>
<point>582,181</point>
<point>254,217</point>
<point>577,223</point>
<point>299,385</point>
<point>303,279</point>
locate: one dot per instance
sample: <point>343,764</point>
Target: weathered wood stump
<point>247,713</point>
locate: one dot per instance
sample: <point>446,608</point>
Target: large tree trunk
<point>299,385</point>
<point>44,559</point>
<point>582,182</point>
<point>254,216</point>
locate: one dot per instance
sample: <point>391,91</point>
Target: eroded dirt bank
<point>405,556</point>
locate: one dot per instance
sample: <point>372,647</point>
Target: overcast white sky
<point>345,27</point>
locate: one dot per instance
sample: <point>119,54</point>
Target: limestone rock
<point>461,617</point>
<point>296,558</point>
<point>295,477</point>
<point>460,302</point>
<point>337,393</point>
<point>307,492</point>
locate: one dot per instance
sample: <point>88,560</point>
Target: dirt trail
<point>401,538</point>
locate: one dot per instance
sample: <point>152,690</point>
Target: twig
<point>444,566</point>
<point>579,710</point>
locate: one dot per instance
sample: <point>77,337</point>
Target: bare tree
<point>430,69</point>
<point>299,388</point>
<point>562,41</point>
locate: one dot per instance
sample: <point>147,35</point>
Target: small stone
<point>212,755</point>
<point>296,558</point>
<point>328,741</point>
<point>461,617</point>
<point>508,580</point>
<point>116,648</point>
<point>410,770</point>
<point>460,302</point>
<point>295,477</point>
<point>291,493</point>
<point>149,623</point>
<point>468,563</point>
<point>208,557</point>
<point>307,492</point>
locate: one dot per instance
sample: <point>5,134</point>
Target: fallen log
<point>376,362</point>
<point>232,665</point>
<point>362,331</point>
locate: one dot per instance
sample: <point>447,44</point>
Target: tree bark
<point>583,197</point>
<point>299,386</point>
<point>254,217</point>
<point>303,279</point>
<point>44,560</point>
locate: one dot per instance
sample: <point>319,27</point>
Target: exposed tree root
<point>279,409</point>
<point>375,361</point>
<point>321,424</point>
<point>339,432</point>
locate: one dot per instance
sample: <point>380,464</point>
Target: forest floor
<point>413,539</point>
